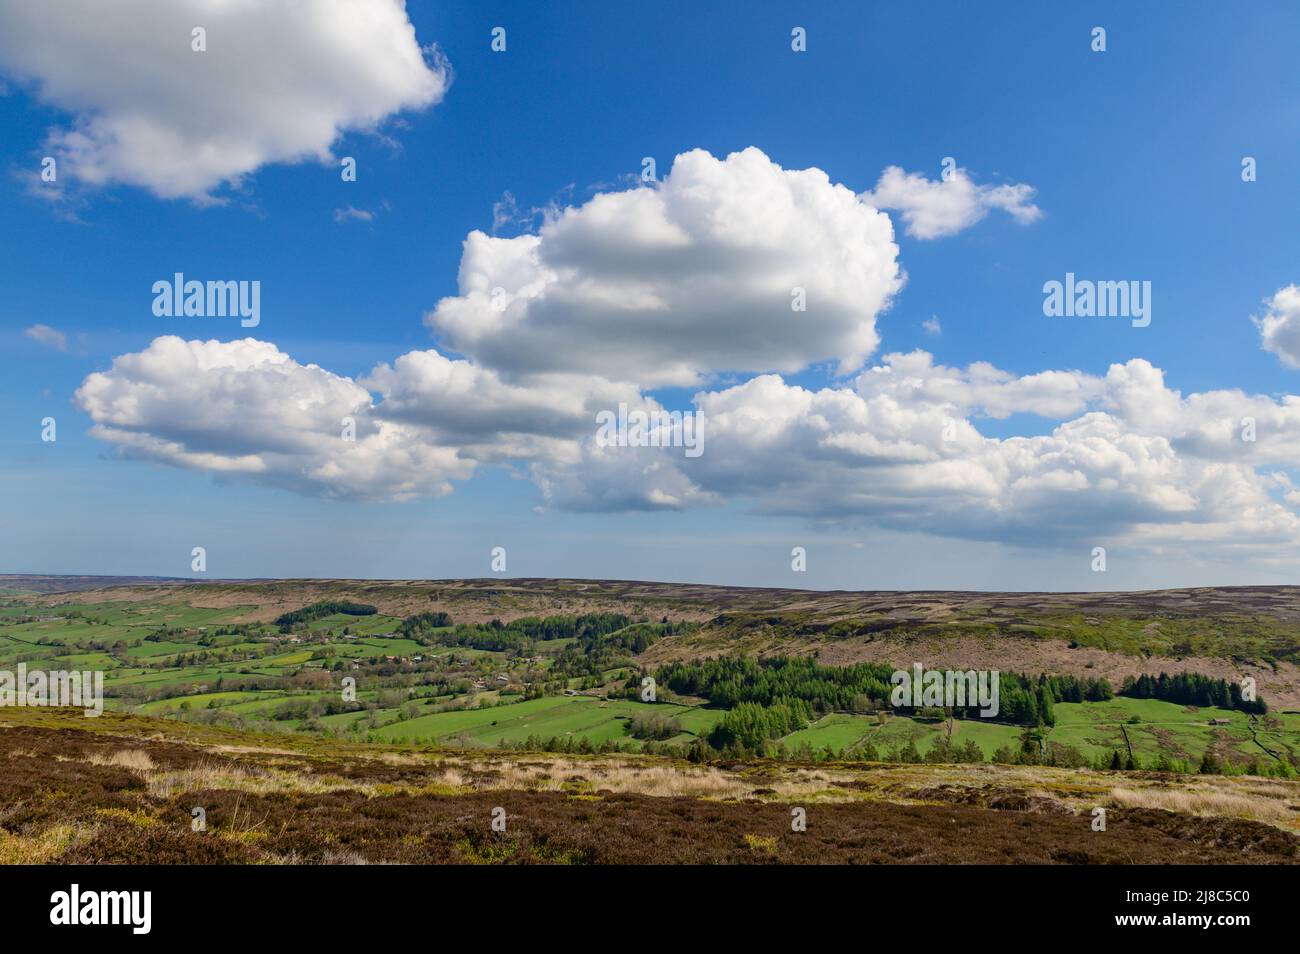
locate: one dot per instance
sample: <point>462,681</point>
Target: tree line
<point>728,681</point>
<point>518,635</point>
<point>1192,689</point>
<point>322,609</point>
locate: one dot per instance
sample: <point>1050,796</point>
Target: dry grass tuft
<point>1203,803</point>
<point>641,778</point>
<point>137,760</point>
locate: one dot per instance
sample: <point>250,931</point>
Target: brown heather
<point>120,789</point>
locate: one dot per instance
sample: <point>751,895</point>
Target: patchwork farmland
<point>484,673</point>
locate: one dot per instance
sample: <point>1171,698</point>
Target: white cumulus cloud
<point>901,447</point>
<point>1279,326</point>
<point>1131,460</point>
<point>666,285</point>
<point>939,208</point>
<point>278,82</point>
<point>245,409</point>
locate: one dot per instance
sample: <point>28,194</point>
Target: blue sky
<point>1133,157</point>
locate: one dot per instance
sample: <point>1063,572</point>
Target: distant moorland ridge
<point>1225,632</point>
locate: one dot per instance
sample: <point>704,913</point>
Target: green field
<point>1095,729</point>
<point>206,700</point>
<point>578,716</point>
<point>840,732</point>
<point>252,675</point>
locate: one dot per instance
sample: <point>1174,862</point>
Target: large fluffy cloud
<point>246,409</point>
<point>900,447</point>
<point>669,284</point>
<point>938,208</point>
<point>458,403</point>
<point>1135,461</point>
<point>278,82</point>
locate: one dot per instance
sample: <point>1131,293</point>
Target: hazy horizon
<point>589,579</point>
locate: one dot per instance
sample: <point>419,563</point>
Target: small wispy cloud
<point>48,336</point>
<point>508,214</point>
<point>352,214</point>
<point>932,326</point>
<point>504,212</point>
